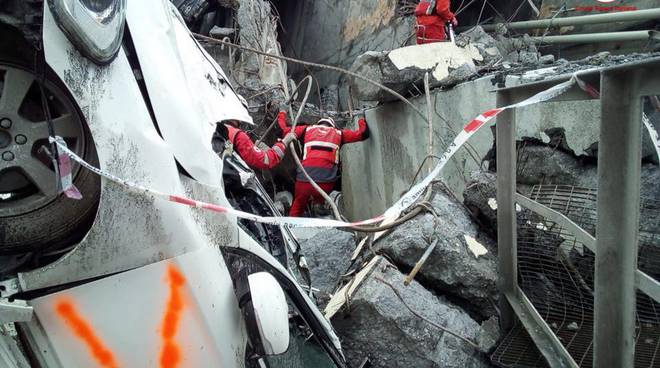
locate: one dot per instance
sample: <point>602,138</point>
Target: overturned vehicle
<point>120,276</point>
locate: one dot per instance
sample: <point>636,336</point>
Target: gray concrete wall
<point>377,171</point>
<point>335,32</point>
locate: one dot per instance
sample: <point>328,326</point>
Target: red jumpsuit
<point>321,158</point>
<point>431,28</point>
<point>251,154</point>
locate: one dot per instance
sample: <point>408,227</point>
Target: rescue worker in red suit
<point>431,18</point>
<point>321,145</point>
<point>255,157</point>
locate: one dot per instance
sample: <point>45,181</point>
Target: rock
<point>460,74</point>
<point>328,256</point>
<point>378,67</point>
<point>528,57</point>
<point>599,59</point>
<point>489,334</point>
<point>258,30</point>
<point>484,42</point>
<point>403,69</point>
<point>547,59</point>
<point>380,327</point>
<point>541,164</point>
<point>220,32</point>
<point>330,97</point>
<point>452,268</point>
<point>480,197</point>
<point>192,10</point>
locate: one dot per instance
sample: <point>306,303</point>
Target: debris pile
<point>454,290</point>
<point>408,326</point>
<point>463,264</point>
<point>474,53</point>
<point>447,315</point>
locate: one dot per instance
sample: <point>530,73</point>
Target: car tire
<point>61,222</point>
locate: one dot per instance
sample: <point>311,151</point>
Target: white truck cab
<point>120,278</point>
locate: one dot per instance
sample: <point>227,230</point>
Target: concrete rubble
<point>328,254</point>
<point>380,327</point>
<point>457,286</point>
<point>453,269</point>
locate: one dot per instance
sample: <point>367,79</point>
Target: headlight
<point>95,27</point>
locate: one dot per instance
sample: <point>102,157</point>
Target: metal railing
<point>609,284</point>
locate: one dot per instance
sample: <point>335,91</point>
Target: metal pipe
<point>626,16</point>
<point>619,168</point>
<point>599,37</point>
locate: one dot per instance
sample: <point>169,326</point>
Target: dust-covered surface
<point>380,327</point>
<point>452,269</point>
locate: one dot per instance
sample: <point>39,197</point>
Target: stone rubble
<point>452,269</point>
<point>380,327</point>
<point>457,287</point>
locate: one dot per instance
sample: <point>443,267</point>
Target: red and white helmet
<point>327,121</point>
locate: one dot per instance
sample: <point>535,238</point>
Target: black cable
<point>40,68</point>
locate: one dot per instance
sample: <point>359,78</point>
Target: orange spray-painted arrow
<point>84,331</point>
<point>170,356</point>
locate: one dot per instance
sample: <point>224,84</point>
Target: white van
<point>120,278</point>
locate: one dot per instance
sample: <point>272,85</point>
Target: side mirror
<point>268,313</point>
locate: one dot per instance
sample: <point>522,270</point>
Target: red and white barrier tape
<point>291,221</point>
<point>64,170</point>
<point>393,212</point>
<point>462,137</point>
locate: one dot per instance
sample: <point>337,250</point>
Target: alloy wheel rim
<point>27,177</point>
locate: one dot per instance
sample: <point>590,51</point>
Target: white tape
<point>64,170</point>
<point>391,213</point>
<point>653,133</point>
<point>465,134</point>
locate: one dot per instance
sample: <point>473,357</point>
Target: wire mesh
<point>556,272</point>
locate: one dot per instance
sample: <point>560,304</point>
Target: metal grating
<point>556,273</point>
<point>518,351</point>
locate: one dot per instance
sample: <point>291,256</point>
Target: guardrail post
<point>619,161</point>
<point>505,142</point>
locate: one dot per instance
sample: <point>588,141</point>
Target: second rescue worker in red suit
<point>321,145</point>
<point>255,157</point>
<point>431,18</point>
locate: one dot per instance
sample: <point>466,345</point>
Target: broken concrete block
<point>460,74</point>
<point>330,97</point>
<point>402,68</point>
<point>220,32</point>
<point>328,256</point>
<point>480,197</point>
<point>547,59</point>
<point>452,268</point>
<point>489,334</point>
<point>484,42</point>
<point>379,326</point>
<point>539,163</point>
<point>528,57</point>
